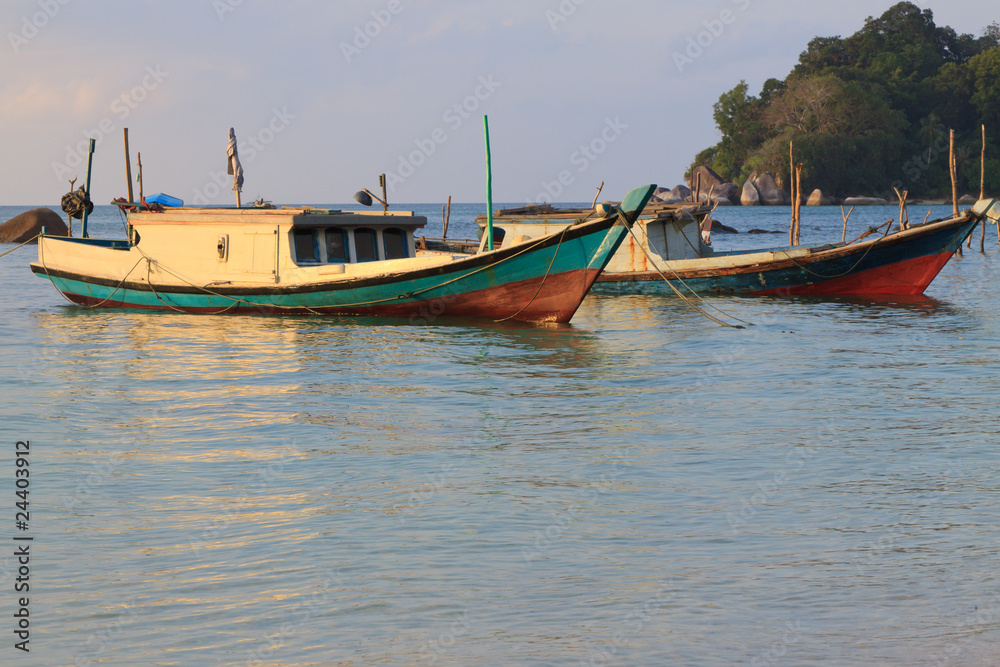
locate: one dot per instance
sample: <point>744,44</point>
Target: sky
<point>325,96</point>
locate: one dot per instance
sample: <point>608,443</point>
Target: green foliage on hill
<point>872,111</point>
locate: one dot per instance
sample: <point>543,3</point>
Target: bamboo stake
<point>791,191</point>
<point>447,219</point>
<point>138,157</point>
<point>982,192</point>
<point>90,166</point>
<point>846,217</point>
<point>954,184</point>
<point>904,217</point>
<point>599,189</point>
<point>72,184</point>
<point>798,202</point>
<point>128,165</point>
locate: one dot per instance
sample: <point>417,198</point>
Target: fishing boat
<point>311,261</point>
<point>666,252</point>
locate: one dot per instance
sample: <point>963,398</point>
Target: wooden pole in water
<point>90,165</point>
<point>982,192</point>
<point>904,217</point>
<point>846,216</point>
<point>128,165</point>
<point>489,185</point>
<point>138,157</point>
<point>798,202</point>
<point>447,219</point>
<point>954,183</point>
<point>72,185</point>
<point>791,190</point>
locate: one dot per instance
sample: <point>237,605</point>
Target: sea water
<point>641,486</point>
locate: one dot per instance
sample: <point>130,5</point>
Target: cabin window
<point>394,243</point>
<point>365,244</point>
<point>305,246</point>
<point>336,245</point>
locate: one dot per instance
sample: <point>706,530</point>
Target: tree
<point>868,111</point>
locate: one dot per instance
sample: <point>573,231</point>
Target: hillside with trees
<point>872,111</point>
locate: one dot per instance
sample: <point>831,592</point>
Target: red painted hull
<point>557,301</point>
<point>906,277</point>
<point>555,298</point>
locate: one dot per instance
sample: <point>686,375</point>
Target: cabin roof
<point>298,216</point>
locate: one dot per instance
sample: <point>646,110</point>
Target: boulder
<point>765,231</point>
<point>818,199</point>
<point>770,193</point>
<point>664,196</point>
<point>967,200</point>
<point>707,179</point>
<point>865,201</point>
<point>23,227</point>
<point>750,196</point>
<point>682,192</point>
<point>724,194</point>
<point>718,227</point>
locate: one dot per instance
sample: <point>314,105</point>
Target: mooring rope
<point>21,244</point>
<point>871,230</point>
<point>685,299</point>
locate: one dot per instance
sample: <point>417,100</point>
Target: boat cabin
<point>667,232</point>
<point>277,245</point>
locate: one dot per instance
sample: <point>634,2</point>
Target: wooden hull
<point>903,263</point>
<point>543,280</point>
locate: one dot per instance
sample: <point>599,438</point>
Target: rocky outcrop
<point>770,193</point>
<point>682,192</point>
<point>26,226</point>
<point>817,198</point>
<point>705,178</point>
<point>725,194</point>
<point>719,228</point>
<point>750,196</point>
<point>865,201</point>
<point>967,200</point>
<point>664,196</point>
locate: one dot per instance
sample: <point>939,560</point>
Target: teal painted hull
<point>543,280</point>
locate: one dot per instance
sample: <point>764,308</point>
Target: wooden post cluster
<point>904,217</point>
<point>446,218</point>
<point>795,186</point>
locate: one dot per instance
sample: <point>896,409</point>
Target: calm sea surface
<point>638,487</point>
